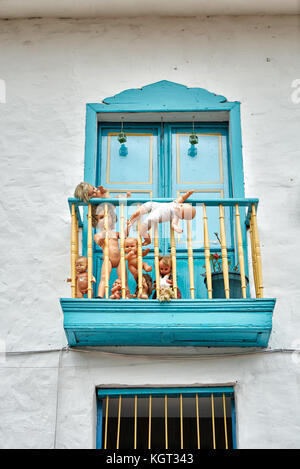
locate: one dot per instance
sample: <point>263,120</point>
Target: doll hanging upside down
<point>159,212</point>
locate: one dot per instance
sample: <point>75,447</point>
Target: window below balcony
<point>166,419</point>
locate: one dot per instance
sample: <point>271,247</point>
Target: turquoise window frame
<point>217,391</point>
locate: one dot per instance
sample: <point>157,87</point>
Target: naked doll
<point>158,212</point>
<point>131,250</point>
<point>113,245</point>
<point>81,278</point>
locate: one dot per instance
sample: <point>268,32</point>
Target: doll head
<point>117,283</point>
<point>185,211</point>
<point>131,244</point>
<point>85,191</point>
<point>165,265</point>
<point>147,285</point>
<point>98,217</point>
<point>81,265</point>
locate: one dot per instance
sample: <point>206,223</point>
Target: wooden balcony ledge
<point>200,322</point>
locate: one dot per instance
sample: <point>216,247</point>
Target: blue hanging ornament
<point>193,139</point>
<point>123,151</point>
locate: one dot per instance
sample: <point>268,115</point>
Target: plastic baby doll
<point>131,250</point>
<point>146,288</point>
<point>166,280</point>
<point>81,266</point>
<point>113,245</point>
<point>86,191</point>
<point>116,291</point>
<point>159,212</point>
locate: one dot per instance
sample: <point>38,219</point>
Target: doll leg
<point>145,234</point>
<point>101,288</point>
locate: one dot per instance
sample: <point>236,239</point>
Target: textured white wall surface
<point>49,70</point>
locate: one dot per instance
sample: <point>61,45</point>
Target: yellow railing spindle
<point>224,251</point>
<point>198,424</point>
<point>207,254</point>
<point>106,251</point>
<point>173,259</point>
<point>73,252</point>
<point>119,421</point>
<point>253,255</point>
<point>166,420</point>
<point>257,252</point>
<point>156,260</point>
<point>225,422</point>
<point>190,259</point>
<point>90,252</point>
<point>122,252</point>
<point>140,259</point>
<point>240,250</point>
<point>213,421</point>
<point>150,416</point>
<point>106,422</point>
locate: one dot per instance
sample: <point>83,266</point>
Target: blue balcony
<point>199,318</point>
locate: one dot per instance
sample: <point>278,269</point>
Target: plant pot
<point>218,290</point>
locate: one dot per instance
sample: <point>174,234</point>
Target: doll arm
<point>175,225</point>
<point>103,192</point>
<point>130,255</point>
<point>185,196</point>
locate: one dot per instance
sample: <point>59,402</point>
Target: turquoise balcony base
<point>202,323</point>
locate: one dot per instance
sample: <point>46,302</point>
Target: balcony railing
<point>200,316</point>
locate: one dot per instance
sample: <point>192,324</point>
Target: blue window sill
<point>202,323</point>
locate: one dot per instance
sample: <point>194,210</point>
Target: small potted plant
<point>217,278</point>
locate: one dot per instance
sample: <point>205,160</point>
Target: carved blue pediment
<point>162,96</point>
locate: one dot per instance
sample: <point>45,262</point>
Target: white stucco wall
<point>50,69</point>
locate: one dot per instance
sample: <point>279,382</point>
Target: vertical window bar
<point>225,421</point>
<point>198,425</point>
<point>166,420</point>
<point>213,421</point>
<point>135,421</point>
<point>106,422</point>
<point>119,421</point>
<point>181,423</point>
<point>150,415</point>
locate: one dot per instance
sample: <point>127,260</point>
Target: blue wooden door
<point>158,163</point>
<point>204,167</point>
